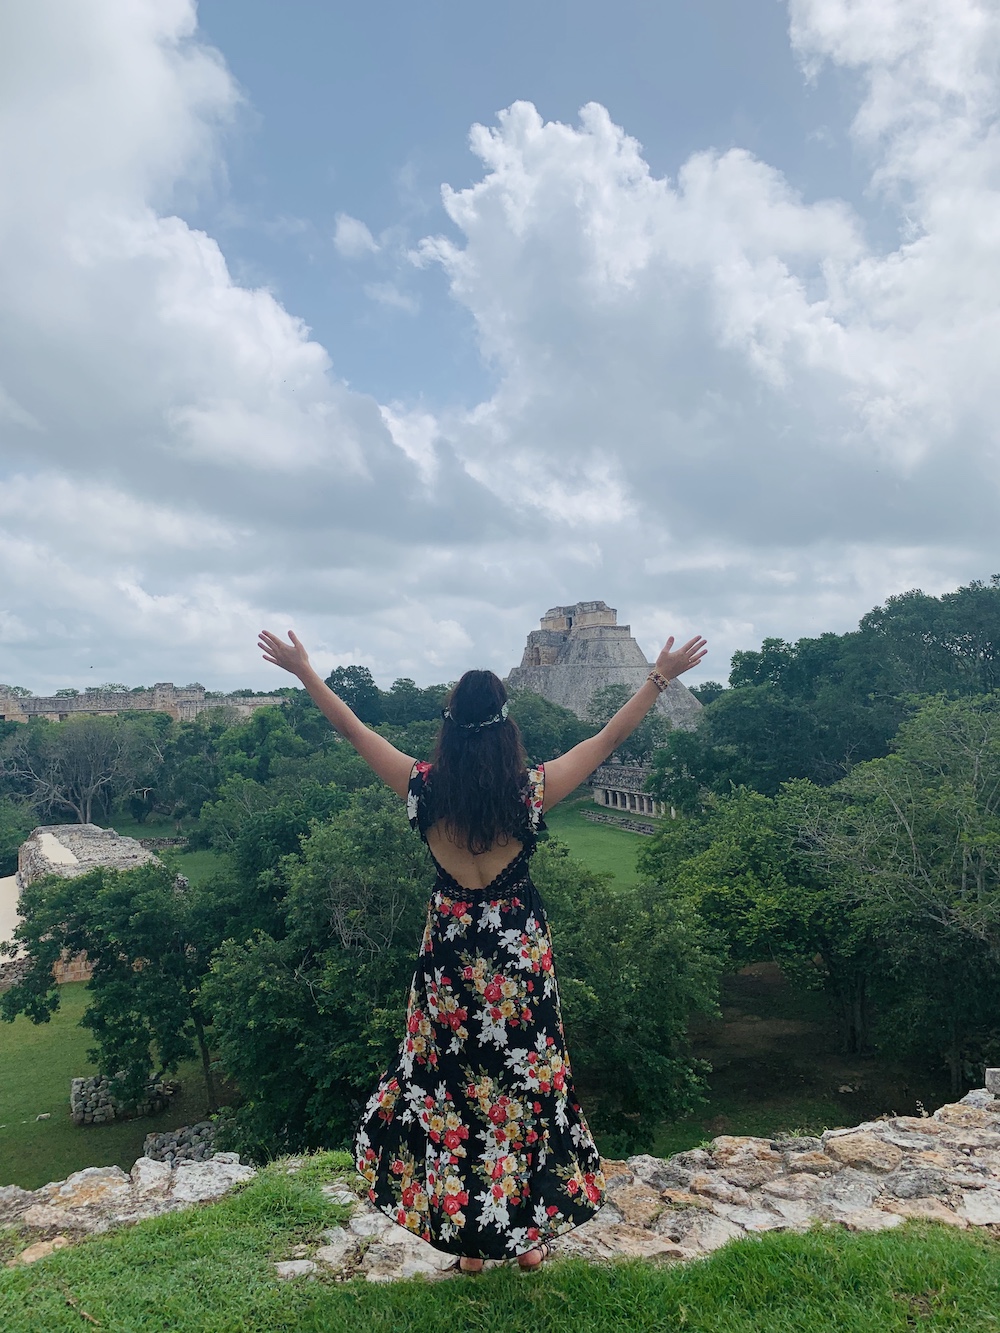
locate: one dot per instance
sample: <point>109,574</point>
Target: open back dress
<point>474,1139</point>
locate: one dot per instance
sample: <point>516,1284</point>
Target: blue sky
<point>399,324</point>
<point>365,110</point>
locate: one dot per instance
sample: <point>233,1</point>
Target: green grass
<point>601,847</point>
<point>36,1065</point>
<point>197,866</point>
<point>210,1270</point>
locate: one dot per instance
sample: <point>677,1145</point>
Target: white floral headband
<point>478,726</point>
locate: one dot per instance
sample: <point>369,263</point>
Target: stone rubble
<point>100,1198</point>
<point>942,1168</point>
<point>91,1101</point>
<point>193,1143</point>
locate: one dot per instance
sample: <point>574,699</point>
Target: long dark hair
<point>479,774</point>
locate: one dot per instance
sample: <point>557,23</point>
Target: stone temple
<point>581,648</point>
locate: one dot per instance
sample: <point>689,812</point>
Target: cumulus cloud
<point>718,404</point>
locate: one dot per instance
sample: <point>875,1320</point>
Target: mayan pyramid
<point>581,648</point>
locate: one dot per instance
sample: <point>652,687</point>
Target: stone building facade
<point>181,704</point>
<point>620,787</point>
<point>579,649</point>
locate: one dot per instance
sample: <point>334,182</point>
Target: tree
<point>139,929</point>
<point>406,702</point>
<point>357,688</point>
<point>77,765</point>
<point>547,729</point>
<point>633,970</point>
<point>16,822</point>
<point>307,1022</point>
<point>651,732</point>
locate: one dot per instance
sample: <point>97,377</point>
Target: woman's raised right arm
<point>564,774</point>
<point>391,765</point>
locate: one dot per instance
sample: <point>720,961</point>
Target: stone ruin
<point>943,1168</point>
<point>91,1101</point>
<point>182,704</point>
<point>579,649</point>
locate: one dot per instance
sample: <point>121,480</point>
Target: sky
<point>400,324</point>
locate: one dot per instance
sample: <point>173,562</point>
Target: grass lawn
<point>36,1065</point>
<point>601,847</point>
<point>210,1270</point>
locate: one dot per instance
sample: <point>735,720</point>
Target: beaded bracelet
<point>659,681</point>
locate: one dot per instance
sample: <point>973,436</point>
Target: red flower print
<point>593,1193</point>
<point>559,1078</point>
<point>573,1186</point>
<point>494,1013</point>
<point>531,987</point>
<point>463,1197</point>
<point>452,1139</point>
<point>492,993</point>
<point>532,1233</point>
<point>413,1023</point>
<point>428,1101</point>
<point>497,1191</point>
<point>552,1210</point>
<point>497,1171</point>
<point>497,1115</point>
<point>407,1196</point>
<point>532,1136</point>
<point>526,1014</point>
<point>470,1091</point>
<point>458,909</point>
<point>451,1204</point>
<point>397,1167</point>
<point>467,973</point>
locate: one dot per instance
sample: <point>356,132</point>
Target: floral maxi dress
<point>474,1139</point>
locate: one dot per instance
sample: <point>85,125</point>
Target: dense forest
<point>837,812</point>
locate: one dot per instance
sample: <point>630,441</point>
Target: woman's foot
<point>532,1259</point>
<point>467,1265</point>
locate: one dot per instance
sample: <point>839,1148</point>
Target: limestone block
<point>620,1242</point>
<point>290,1268</point>
<point>915,1184</point>
<point>969,1117</point>
<point>40,1250</point>
<point>149,1177</point>
<point>13,1202</point>
<point>637,1205</point>
<point>871,1219</point>
<point>83,1189</point>
<point>815,1162</point>
<point>924,1209</point>
<point>195,1182</point>
<point>714,1185</point>
<point>751,1218</point>
<point>917,1124</point>
<point>803,1185</point>
<point>797,1214</point>
<point>338,1195</point>
<point>980,1207</point>
<point>708,1233</point>
<point>409,1256</point>
<point>981,1098</point>
<point>846,1193</point>
<point>993,1081</point>
<point>864,1150</point>
<point>368,1221</point>
<point>340,1245</point>
<point>659,1174</point>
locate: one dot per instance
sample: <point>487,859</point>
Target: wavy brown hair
<point>479,774</point>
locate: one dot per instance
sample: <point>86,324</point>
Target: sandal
<point>544,1250</point>
<point>469,1272</point>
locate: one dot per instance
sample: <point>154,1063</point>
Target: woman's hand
<point>289,656</point>
<point>672,663</point>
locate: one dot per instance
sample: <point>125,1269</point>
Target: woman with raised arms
<point>474,1138</point>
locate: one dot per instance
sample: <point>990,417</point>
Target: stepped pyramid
<point>581,648</point>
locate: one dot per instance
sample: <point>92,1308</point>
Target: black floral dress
<point>474,1139</point>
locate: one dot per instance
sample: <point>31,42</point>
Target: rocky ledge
<point>940,1168</point>
<point>100,1198</point>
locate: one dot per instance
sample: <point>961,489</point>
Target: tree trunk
<point>206,1061</point>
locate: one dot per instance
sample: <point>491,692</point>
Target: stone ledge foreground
<point>941,1168</point>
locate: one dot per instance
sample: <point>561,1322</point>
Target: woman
<point>474,1139</point>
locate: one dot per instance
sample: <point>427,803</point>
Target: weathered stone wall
<point>190,1143</point>
<point>631,825</point>
<point>69,850</point>
<point>182,704</point>
<point>580,649</point>
<point>91,1101</point>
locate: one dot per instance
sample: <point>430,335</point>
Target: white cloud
<point>717,404</point>
<point>352,239</point>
